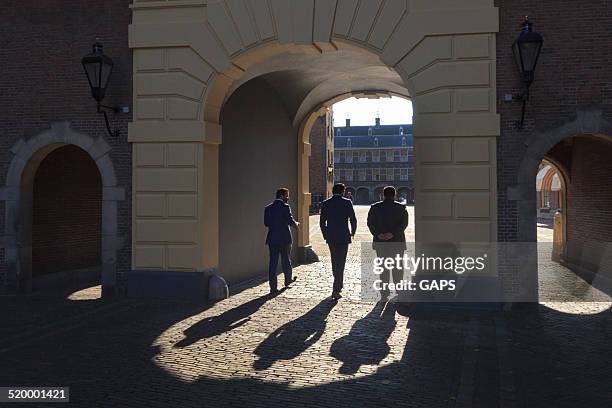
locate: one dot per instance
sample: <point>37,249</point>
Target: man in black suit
<point>387,220</point>
<point>278,219</point>
<point>336,212</point>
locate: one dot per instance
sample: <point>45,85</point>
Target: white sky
<point>362,111</point>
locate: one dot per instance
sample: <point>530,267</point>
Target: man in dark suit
<point>279,220</point>
<point>387,220</point>
<point>336,212</point>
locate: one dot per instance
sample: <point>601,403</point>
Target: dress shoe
<point>274,292</point>
<point>336,295</point>
<point>289,282</point>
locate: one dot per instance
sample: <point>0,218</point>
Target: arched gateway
<point>195,62</point>
<point>25,206</point>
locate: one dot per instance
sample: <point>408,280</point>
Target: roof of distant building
<point>373,136</point>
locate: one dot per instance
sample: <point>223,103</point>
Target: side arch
<point>27,155</point>
<point>539,143</point>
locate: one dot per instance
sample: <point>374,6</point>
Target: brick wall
<point>67,212</point>
<point>573,72</point>
<point>42,81</point>
<point>589,210</point>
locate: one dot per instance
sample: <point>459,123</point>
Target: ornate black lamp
<point>99,68</point>
<point>526,50</point>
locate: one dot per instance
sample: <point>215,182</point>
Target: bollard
<point>557,251</point>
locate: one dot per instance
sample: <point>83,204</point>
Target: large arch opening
<point>266,119</point>
<point>312,55</point>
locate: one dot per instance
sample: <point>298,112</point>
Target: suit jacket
<point>388,216</point>
<point>278,219</point>
<point>336,212</point>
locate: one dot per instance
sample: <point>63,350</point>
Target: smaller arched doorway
<point>378,194</point>
<point>61,186</point>
<point>66,217</point>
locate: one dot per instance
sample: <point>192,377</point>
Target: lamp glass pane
<point>106,71</point>
<point>93,73</point>
<point>529,53</point>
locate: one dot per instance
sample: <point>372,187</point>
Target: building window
<point>401,130</point>
<point>369,131</point>
<point>396,173</point>
<point>389,174</point>
<point>389,155</point>
<point>546,199</point>
<point>349,175</point>
<point>404,174</point>
<point>375,141</point>
<point>396,155</point>
<point>338,133</point>
<point>355,156</point>
<point>348,141</point>
<point>362,156</point>
<point>376,174</point>
<point>338,174</point>
<point>376,156</point>
<point>362,174</point>
<point>404,155</point>
<point>403,140</point>
<point>348,156</point>
<point>369,156</point>
<point>368,174</point>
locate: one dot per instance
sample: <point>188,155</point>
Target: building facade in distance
<point>368,158</point>
<point>321,159</point>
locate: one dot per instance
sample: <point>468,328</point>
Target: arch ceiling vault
<point>189,56</point>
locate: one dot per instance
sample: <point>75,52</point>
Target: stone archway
<point>442,56</point>
<point>17,194</point>
<point>539,143</point>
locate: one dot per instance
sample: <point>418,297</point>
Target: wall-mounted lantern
<point>99,68</point>
<point>526,50</point>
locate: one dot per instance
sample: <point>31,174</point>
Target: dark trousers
<point>390,251</point>
<point>283,251</point>
<point>338,259</point>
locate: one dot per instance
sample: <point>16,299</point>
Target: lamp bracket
<point>115,109</point>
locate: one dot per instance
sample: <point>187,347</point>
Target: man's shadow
<point>293,338</point>
<point>366,343</point>
<point>224,322</point>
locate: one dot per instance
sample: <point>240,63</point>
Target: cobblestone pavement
<point>301,349</point>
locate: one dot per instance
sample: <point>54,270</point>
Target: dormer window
<point>401,130</point>
<point>403,141</point>
<point>338,133</point>
<point>348,142</point>
<point>369,131</point>
<point>376,142</point>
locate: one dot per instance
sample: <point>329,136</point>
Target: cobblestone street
<point>301,349</point>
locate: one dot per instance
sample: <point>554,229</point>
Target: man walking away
<point>278,219</point>
<point>336,212</point>
<point>387,220</point>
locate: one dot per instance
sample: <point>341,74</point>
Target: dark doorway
<point>66,213</point>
